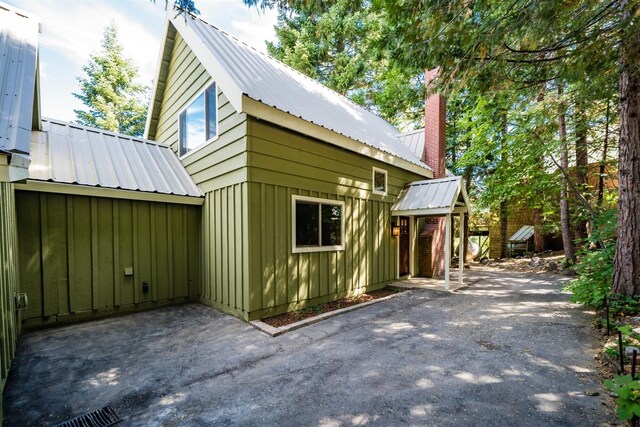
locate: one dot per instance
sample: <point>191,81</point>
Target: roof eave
<point>162,66</point>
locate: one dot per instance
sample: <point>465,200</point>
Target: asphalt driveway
<point>507,350</point>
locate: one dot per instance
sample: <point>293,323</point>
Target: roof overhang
<point>112,193</point>
<point>273,115</point>
<point>178,24</point>
<point>433,197</point>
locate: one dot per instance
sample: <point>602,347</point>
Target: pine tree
<point>114,101</point>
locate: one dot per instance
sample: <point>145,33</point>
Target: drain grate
<point>101,418</point>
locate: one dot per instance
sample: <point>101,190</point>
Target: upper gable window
<point>198,122</point>
<point>379,181</point>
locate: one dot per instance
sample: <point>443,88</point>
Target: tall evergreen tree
<point>114,101</point>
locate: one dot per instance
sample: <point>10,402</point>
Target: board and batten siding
<point>220,170</point>
<point>9,281</point>
<point>283,164</point>
<point>74,251</point>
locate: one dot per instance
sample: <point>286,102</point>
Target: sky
<point>72,30</point>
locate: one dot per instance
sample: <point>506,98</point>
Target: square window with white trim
<point>318,224</point>
<point>379,181</point>
<point>199,121</point>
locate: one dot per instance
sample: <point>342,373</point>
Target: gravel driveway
<point>507,350</point>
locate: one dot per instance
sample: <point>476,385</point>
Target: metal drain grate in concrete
<point>101,418</point>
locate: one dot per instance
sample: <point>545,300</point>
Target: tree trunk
<point>603,162</point>
<point>565,223</point>
<point>626,276</point>
<point>582,166</point>
<point>503,229</point>
<point>538,235</point>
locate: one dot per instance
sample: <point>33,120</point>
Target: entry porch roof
<point>432,197</point>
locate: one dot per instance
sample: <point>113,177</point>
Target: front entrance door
<point>404,248</point>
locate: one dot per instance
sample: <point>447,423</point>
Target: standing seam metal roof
<point>269,81</point>
<point>429,195</point>
<point>19,53</point>
<point>73,154</point>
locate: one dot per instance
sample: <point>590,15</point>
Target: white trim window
<point>379,181</point>
<point>317,224</point>
<point>198,123</point>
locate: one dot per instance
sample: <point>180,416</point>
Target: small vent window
<point>379,181</point>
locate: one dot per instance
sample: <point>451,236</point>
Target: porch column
<point>461,246</point>
<point>447,251</point>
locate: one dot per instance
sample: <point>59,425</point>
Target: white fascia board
<point>209,62</point>
<point>112,193</point>
<point>162,56</point>
<point>271,114</point>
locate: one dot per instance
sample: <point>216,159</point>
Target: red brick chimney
<point>435,111</point>
<point>432,236</point>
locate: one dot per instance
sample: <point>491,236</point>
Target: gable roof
<point>431,197</point>
<point>19,105</point>
<point>68,153</point>
<point>264,87</point>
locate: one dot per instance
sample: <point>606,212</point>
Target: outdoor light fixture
<point>395,229</point>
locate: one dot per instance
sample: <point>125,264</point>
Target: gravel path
<point>507,350</point>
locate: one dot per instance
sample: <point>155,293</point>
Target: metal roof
<point>523,234</point>
<point>18,71</point>
<point>431,197</point>
<point>241,70</point>
<point>414,141</point>
<point>73,154</point>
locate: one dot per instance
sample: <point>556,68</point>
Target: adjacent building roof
<point>243,72</point>
<point>523,234</point>
<point>19,106</point>
<point>432,197</point>
<point>73,154</point>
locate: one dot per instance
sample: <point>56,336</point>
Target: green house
<point>256,190</point>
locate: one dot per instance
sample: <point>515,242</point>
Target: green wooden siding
<point>220,169</point>
<point>222,162</point>
<point>9,321</point>
<point>283,164</point>
<point>74,251</point>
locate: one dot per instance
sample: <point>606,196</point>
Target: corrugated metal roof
<point>522,235</point>
<point>270,82</point>
<point>434,196</point>
<point>73,154</point>
<point>18,70</point>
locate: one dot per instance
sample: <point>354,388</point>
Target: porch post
<point>447,251</point>
<point>461,246</point>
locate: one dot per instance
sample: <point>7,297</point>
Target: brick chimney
<point>431,240</point>
<point>435,112</point>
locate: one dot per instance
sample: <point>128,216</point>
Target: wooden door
<point>404,255</point>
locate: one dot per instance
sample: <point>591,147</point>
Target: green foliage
<point>335,43</point>
<point>595,267</point>
<point>114,101</point>
<point>628,392</point>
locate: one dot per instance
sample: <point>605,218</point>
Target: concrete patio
<point>509,349</point>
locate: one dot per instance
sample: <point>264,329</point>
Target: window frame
<point>206,110</point>
<point>375,170</point>
<point>320,202</point>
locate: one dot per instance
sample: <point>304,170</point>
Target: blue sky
<point>72,29</point>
